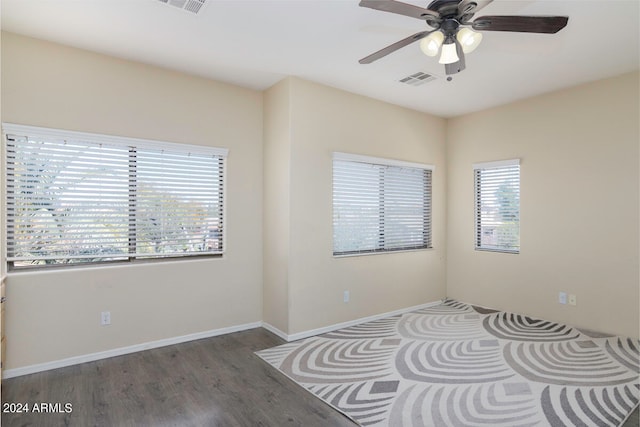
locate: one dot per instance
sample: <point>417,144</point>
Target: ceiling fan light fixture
<point>450,20</point>
<point>469,39</point>
<point>430,45</point>
<point>449,54</point>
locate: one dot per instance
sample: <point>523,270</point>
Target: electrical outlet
<point>573,299</point>
<point>345,296</point>
<point>105,318</point>
<point>562,297</point>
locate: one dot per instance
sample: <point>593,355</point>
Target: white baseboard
<point>269,327</point>
<point>336,326</point>
<point>75,360</point>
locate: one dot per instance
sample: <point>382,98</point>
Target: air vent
<point>418,79</point>
<point>193,6</point>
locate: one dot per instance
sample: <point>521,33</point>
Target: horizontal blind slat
<point>497,208</point>
<point>76,200</point>
<point>377,208</point>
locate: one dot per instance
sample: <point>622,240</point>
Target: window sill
<point>360,254</point>
<point>110,264</point>
<point>502,251</point>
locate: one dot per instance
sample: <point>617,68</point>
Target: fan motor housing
<point>446,8</point>
<point>449,26</point>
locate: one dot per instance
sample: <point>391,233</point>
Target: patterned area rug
<point>458,365</point>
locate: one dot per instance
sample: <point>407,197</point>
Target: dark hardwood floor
<point>211,382</point>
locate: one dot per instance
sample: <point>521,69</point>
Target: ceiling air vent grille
<point>418,79</point>
<point>193,6</point>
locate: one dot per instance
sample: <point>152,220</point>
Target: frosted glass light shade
<point>469,39</point>
<point>430,45</point>
<point>449,54</point>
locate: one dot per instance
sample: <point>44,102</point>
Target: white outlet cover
<point>562,297</point>
<point>105,318</point>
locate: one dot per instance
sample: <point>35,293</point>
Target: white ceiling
<point>256,43</point>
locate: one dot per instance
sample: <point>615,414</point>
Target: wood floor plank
<point>210,382</point>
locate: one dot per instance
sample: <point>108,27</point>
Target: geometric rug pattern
<point>458,365</point>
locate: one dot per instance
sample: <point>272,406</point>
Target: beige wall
<point>324,120</point>
<point>3,265</point>
<point>277,162</point>
<point>54,315</point>
<point>579,206</point>
<point>579,151</point>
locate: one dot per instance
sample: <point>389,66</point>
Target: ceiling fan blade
<point>521,24</point>
<point>400,8</point>
<point>393,47</point>
<point>471,6</point>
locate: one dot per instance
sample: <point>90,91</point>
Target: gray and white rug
<point>458,365</point>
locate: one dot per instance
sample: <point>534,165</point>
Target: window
<point>83,198</point>
<point>497,194</point>
<point>380,205</point>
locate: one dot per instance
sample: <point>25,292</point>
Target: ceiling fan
<point>453,28</point>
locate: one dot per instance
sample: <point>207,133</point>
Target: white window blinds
<point>380,205</point>
<point>78,198</point>
<point>497,206</point>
